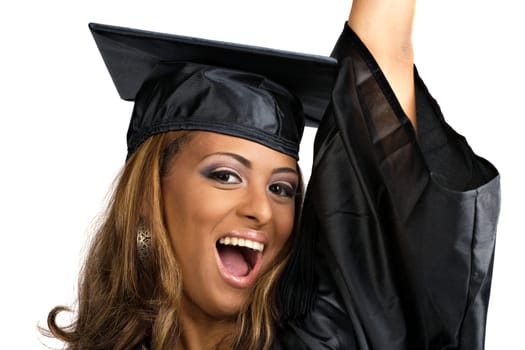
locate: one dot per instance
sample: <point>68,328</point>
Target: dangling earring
<point>143,243</point>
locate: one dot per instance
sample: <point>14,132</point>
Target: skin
<point>385,26</point>
<point>217,185</point>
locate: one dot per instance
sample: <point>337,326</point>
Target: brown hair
<point>123,298</point>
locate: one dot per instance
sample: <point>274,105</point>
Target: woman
<point>390,218</point>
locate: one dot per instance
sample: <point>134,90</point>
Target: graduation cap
<point>180,82</point>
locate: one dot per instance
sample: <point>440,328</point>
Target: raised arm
<point>403,228</point>
<point>385,26</point>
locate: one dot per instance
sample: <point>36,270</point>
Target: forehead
<point>203,144</point>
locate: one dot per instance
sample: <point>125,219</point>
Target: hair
<point>125,298</point>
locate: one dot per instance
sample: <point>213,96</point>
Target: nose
<point>256,205</point>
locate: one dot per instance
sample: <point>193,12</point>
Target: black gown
<point>404,225</point>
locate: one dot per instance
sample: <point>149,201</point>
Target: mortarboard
<point>222,82</point>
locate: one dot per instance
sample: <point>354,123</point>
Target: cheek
<point>193,213</point>
<point>284,223</point>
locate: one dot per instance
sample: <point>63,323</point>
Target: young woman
<point>203,248</point>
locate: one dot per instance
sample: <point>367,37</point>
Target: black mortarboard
<point>180,82</point>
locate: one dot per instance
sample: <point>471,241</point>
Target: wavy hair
<point>124,298</point>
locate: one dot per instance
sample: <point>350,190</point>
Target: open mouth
<point>239,256</point>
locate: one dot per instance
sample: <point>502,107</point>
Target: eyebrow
<point>285,170</point>
<point>248,163</point>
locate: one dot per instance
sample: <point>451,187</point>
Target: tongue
<point>233,261</point>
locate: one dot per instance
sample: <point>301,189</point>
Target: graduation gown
<point>404,225</point>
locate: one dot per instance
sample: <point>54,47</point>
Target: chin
<point>225,305</point>
<point>230,306</point>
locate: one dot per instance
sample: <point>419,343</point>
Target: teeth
<point>242,242</point>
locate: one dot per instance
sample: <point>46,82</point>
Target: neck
<point>201,331</point>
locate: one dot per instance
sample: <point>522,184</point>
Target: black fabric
<point>189,96</point>
<point>404,227</point>
<point>132,54</point>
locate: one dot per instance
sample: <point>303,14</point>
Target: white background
<point>62,125</point>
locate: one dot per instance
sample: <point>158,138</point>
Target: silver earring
<point>143,242</point>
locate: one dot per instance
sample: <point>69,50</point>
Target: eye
<point>282,189</point>
<point>225,177</point>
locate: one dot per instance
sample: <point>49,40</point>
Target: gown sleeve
<point>404,225</point>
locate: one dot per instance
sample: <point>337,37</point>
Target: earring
<point>143,242</point>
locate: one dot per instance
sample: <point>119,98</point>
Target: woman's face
<point>229,209</point>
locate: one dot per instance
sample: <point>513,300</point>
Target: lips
<point>239,259</point>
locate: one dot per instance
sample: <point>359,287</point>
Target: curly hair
<point>124,297</point>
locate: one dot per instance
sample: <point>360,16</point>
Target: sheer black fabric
<point>405,225</point>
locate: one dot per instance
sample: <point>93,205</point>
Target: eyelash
<point>218,175</point>
<point>285,190</point>
<point>225,177</point>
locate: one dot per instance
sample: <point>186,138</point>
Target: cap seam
<point>259,136</point>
